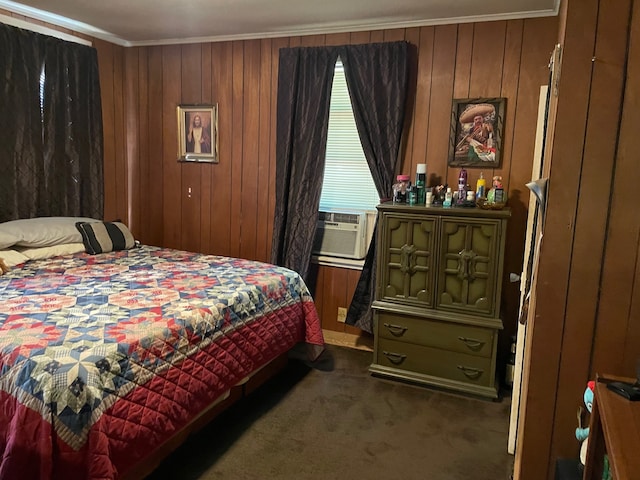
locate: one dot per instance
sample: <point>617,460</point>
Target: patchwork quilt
<point>103,357</point>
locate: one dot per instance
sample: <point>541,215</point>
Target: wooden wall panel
<point>190,173</point>
<point>141,222</point>
<point>221,182</point>
<point>205,169</point>
<point>442,80</point>
<point>416,146</point>
<point>105,65</point>
<point>591,228</point>
<point>172,172</point>
<point>614,351</point>
<point>153,207</point>
<point>250,160</point>
<point>122,180</point>
<point>627,171</point>
<point>263,153</point>
<point>132,135</point>
<point>509,89</point>
<point>553,274</point>
<point>463,57</point>
<point>588,265</point>
<point>237,144</point>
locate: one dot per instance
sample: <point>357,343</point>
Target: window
<point>347,182</point>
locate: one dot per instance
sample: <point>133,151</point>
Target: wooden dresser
<point>614,429</point>
<point>437,306</point>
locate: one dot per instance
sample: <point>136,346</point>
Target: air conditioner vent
<point>340,234</point>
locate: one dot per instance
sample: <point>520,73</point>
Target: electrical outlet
<point>342,314</point>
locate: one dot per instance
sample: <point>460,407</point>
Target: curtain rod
<point>16,22</point>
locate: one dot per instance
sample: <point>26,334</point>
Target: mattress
<point>104,357</point>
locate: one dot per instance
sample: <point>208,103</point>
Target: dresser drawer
<point>435,362</point>
<point>454,337</point>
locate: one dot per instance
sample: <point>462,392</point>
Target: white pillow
<point>43,231</point>
<point>42,253</point>
<point>12,258</point>
<point>7,239</point>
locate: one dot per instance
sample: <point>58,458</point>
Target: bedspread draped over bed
<point>103,357</point>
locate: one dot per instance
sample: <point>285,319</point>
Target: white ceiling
<point>149,22</point>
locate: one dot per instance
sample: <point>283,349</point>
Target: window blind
<point>347,182</point>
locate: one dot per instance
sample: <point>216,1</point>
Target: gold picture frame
<point>198,133</point>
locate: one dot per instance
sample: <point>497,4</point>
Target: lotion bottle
<point>480,186</point>
<point>448,198</point>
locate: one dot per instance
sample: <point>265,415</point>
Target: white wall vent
<point>341,234</point>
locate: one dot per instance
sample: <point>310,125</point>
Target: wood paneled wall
<point>586,318</point>
<point>227,208</point>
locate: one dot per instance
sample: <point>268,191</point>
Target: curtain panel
<point>305,78</point>
<point>51,141</point>
<point>377,77</point>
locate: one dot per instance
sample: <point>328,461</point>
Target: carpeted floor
<point>336,421</point>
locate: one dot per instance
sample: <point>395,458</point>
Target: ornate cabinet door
<point>469,259</point>
<point>405,269</point>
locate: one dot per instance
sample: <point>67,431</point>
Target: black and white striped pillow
<point>103,237</point>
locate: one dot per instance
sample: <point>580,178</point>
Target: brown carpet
<point>336,421</point>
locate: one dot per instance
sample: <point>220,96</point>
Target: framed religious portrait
<point>476,132</point>
<point>198,133</point>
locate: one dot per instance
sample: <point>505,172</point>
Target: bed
<point>107,361</point>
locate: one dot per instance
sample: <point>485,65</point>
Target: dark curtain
<point>377,77</point>
<point>21,149</point>
<point>51,153</point>
<point>72,130</point>
<point>304,92</point>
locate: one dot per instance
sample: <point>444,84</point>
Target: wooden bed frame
<point>148,464</point>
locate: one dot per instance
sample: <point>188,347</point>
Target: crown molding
<point>92,31</point>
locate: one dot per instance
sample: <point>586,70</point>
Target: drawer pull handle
<point>472,343</point>
<point>396,330</point>
<point>395,358</point>
<point>469,372</point>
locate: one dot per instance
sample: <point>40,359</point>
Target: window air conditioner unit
<point>341,234</point>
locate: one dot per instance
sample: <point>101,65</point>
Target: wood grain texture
<point>122,180</point>
<point>416,148</point>
<point>221,175</point>
<point>263,230</point>
<point>443,76</point>
<point>190,173</point>
<point>554,265</point>
<point>250,161</point>
<point>141,222</point>
<point>614,348</point>
<point>132,133</point>
<point>109,127</point>
<point>206,169</point>
<point>152,205</point>
<point>590,232</point>
<point>172,172</point>
<point>579,327</point>
<point>627,171</point>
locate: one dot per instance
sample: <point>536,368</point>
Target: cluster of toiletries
<point>419,193</point>
<point>416,194</point>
